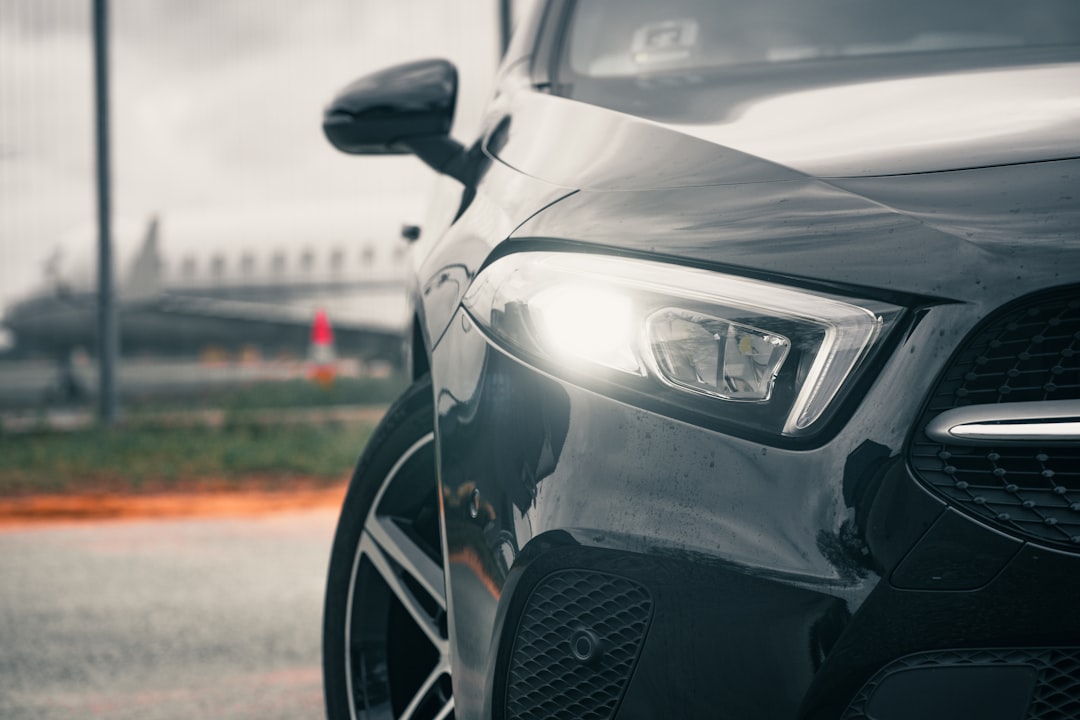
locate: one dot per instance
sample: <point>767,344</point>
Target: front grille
<point>1056,693</point>
<point>576,646</point>
<point>1028,352</point>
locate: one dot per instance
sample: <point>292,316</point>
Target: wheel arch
<point>419,364</point>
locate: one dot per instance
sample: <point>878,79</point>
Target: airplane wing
<point>170,324</point>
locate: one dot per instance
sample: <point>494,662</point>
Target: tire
<point>385,648</point>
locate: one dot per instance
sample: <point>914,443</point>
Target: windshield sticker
<point>665,43</point>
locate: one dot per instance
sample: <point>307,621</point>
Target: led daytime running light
<point>607,313</point>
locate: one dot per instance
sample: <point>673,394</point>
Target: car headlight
<point>765,356</point>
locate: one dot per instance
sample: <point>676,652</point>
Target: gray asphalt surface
<point>203,618</point>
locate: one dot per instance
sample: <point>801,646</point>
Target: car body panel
<point>854,232</point>
<point>592,142</point>
<point>927,120</point>
<point>771,565</point>
<point>502,200</point>
<point>684,197</point>
<point>815,533</point>
<point>827,119</point>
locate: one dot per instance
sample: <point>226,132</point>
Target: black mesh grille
<point>576,646</point>
<point>1057,684</point>
<point>1029,352</point>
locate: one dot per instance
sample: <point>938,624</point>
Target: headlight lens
<point>714,356</point>
<point>767,356</point>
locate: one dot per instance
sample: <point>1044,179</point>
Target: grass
<point>270,395</point>
<point>154,452</point>
<point>157,457</point>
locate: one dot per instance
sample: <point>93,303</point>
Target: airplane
<point>232,284</point>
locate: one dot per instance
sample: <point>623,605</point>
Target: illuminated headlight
<point>769,357</point>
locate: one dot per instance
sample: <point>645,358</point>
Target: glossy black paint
<point>840,119</point>
<point>697,203</point>
<point>785,577</point>
<point>830,522</point>
<point>404,109</point>
<point>833,549</point>
<point>674,665</point>
<point>956,232</point>
<point>549,457</point>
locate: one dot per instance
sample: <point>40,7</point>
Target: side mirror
<point>404,109</point>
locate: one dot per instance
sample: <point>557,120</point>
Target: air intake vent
<point>1027,353</point>
<point>576,646</point>
<point>1045,684</point>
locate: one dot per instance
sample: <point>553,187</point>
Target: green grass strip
<point>142,457</point>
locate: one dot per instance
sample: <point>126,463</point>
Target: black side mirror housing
<point>404,109</point>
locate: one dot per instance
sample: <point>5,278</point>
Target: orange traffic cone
<point>321,356</point>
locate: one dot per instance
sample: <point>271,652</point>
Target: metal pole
<point>108,340</point>
<point>505,28</point>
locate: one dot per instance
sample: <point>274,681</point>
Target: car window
<point>615,47</point>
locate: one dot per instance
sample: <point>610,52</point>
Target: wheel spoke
<point>446,710</point>
<point>409,556</point>
<point>394,544</point>
<point>385,566</point>
<point>429,684</point>
<point>392,474</point>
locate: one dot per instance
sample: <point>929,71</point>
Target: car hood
<point>883,116</point>
<point>982,211</point>
<point>980,235</point>
<point>916,123</point>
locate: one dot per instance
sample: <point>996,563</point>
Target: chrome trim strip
<point>1050,421</point>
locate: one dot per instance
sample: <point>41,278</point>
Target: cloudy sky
<point>216,107</point>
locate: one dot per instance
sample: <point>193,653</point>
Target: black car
<point>746,373</point>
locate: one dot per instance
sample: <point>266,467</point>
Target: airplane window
<point>336,259</point>
<point>247,264</point>
<point>367,256</point>
<point>399,254</point>
<point>217,266</point>
<point>278,263</point>
<point>307,260</point>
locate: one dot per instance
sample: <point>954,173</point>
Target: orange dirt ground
<point>190,499</point>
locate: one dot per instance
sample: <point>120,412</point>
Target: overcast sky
<point>216,107</point>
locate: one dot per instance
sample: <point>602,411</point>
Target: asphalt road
<point>204,618</point>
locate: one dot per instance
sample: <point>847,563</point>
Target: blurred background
<point>234,221</point>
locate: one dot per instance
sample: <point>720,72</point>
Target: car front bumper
<point>758,581</point>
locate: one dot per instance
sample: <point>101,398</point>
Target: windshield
<point>615,49</point>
